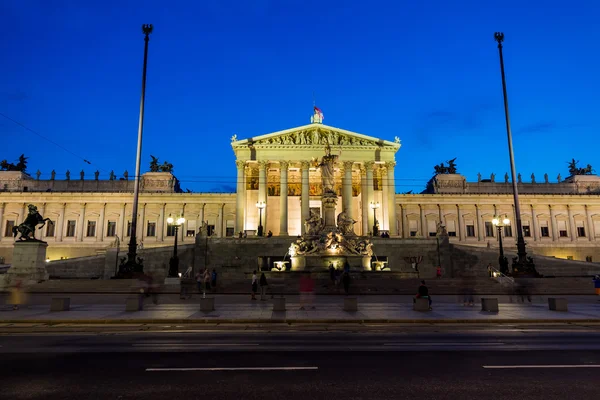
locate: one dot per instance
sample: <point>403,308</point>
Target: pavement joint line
<point>232,369</point>
<point>540,366</point>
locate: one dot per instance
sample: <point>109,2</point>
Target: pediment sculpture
<point>316,137</point>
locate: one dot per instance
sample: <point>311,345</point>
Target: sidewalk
<point>325,312</point>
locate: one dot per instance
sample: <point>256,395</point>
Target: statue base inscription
<point>29,262</point>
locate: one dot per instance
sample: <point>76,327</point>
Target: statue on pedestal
<point>81,174</point>
<point>313,224</point>
<point>345,224</point>
<point>68,175</point>
<point>27,228</point>
<point>327,169</point>
<point>52,175</point>
<point>96,174</point>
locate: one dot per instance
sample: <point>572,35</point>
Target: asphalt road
<point>502,363</point>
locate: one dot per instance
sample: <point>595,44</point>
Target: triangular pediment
<point>314,135</point>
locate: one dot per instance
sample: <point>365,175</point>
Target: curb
<point>296,321</point>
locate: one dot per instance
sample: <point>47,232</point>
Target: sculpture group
<point>27,228</point>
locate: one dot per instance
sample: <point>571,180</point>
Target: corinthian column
<point>1,219</point>
<point>80,223</point>
<point>262,190</point>
<point>347,189</point>
<point>369,167</point>
<point>553,224</point>
<point>239,197</point>
<point>364,200</point>
<point>61,223</point>
<point>534,223</point>
<point>572,227</point>
<point>385,199</point>
<point>588,215</point>
<point>100,231</point>
<point>391,184</point>
<point>305,199</point>
<point>283,198</point>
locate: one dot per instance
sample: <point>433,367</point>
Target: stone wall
<point>77,268</point>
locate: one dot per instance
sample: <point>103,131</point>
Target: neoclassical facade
<point>281,170</point>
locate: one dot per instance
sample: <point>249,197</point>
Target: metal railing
<point>502,279</point>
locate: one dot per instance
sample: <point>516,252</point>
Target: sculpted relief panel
<point>317,136</point>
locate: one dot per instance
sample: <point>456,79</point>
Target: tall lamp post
<point>174,261</point>
<point>132,265</point>
<point>522,264</point>
<point>375,206</point>
<point>260,205</point>
<point>501,222</point>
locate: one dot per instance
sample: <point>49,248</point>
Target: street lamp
<point>133,265</point>
<point>375,206</point>
<point>500,222</point>
<point>174,261</point>
<point>260,205</point>
<point>522,264</point>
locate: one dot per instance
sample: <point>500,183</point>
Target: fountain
<point>330,240</point>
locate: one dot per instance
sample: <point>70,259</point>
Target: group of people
<point>262,282</point>
<point>338,276</point>
<point>206,280</point>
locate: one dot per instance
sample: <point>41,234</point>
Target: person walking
<point>254,285</point>
<point>332,273</point>
<point>346,282</point>
<point>438,272</point>
<point>263,286</point>
<point>490,270</point>
<point>597,285</point>
<point>199,281</point>
<point>206,277</point>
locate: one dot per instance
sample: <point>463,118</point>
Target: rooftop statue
<point>442,169</point>
<point>154,167</point>
<point>20,166</point>
<point>27,228</point>
<point>574,170</point>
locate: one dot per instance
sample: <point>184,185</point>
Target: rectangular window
<point>91,229</point>
<point>544,231</point>
<point>211,230</point>
<point>50,229</point>
<point>70,228</point>
<point>229,231</point>
<point>588,258</point>
<point>190,233</point>
<point>128,228</point>
<point>9,227</point>
<point>489,229</point>
<point>569,257</point>
<point>508,231</point>
<point>452,234</point>
<point>563,234</point>
<point>413,233</point>
<point>562,228</point>
<point>432,234</point>
<point>581,231</point>
<point>526,231</point>
<point>151,229</point>
<point>170,230</point>
<point>111,229</point>
<point>470,230</point>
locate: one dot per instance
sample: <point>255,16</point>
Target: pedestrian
<point>199,281</point>
<point>307,288</point>
<point>338,277</point>
<point>263,286</point>
<point>490,270</point>
<point>152,288</point>
<point>254,285</point>
<point>438,272</point>
<point>213,278</point>
<point>346,267</point>
<point>597,284</point>
<point>423,293</point>
<point>16,295</point>
<point>206,277</point>
<point>346,282</point>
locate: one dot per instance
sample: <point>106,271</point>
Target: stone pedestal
<point>28,262</point>
<point>329,201</point>
<point>298,263</point>
<point>207,304</point>
<point>279,304</point>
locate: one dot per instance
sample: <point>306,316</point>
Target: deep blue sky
<point>427,72</point>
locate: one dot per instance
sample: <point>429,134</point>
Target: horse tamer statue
<point>27,228</point>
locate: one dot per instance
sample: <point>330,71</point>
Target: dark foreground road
<point>503,364</point>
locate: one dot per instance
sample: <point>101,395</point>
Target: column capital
<point>305,164</point>
<point>384,171</point>
<point>240,164</point>
<point>348,165</point>
<point>363,171</point>
<point>262,164</point>
<point>390,164</point>
<point>283,165</point>
<point>369,165</point>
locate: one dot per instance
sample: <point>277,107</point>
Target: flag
<point>318,111</point>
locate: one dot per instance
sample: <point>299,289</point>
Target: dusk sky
<point>427,72</point>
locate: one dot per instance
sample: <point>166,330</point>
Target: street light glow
<point>374,205</point>
<point>260,205</point>
<point>170,220</point>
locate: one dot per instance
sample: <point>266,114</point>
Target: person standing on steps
<point>332,273</point>
<point>423,293</point>
<point>438,272</point>
<point>263,286</point>
<point>254,285</point>
<point>346,282</point>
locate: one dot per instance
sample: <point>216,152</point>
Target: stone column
<point>220,231</point>
<point>365,201</point>
<point>184,226</point>
<point>441,215</point>
<point>283,198</point>
<point>553,223</point>
<point>305,195</point>
<point>534,223</point>
<point>42,211</point>
<point>479,223</point>
<point>402,221</point>
<point>572,227</point>
<point>461,233</point>
<point>424,228</point>
<point>384,199</point>
<point>370,195</point>
<point>81,221</point>
<point>100,231</point>
<point>239,197</point>
<point>23,214</point>
<point>60,224</point>
<point>122,223</point>
<point>347,189</point>
<point>262,191</point>
<point>590,224</point>
<point>391,184</point>
<point>140,223</point>
<point>160,235</point>
<point>200,218</point>
<point>2,205</point>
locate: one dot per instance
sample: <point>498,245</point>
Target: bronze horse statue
<point>27,228</point>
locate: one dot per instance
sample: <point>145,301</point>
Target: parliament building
<point>280,170</point>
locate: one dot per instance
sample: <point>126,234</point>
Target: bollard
<point>135,303</point>
<point>421,304</point>
<point>207,304</point>
<point>279,304</point>
<point>558,304</point>
<point>350,304</point>
<point>489,304</point>
<point>60,304</point>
